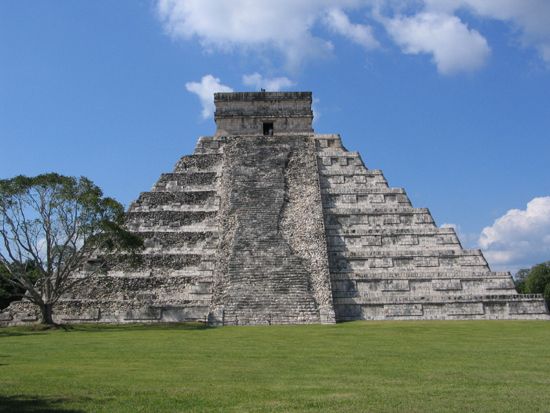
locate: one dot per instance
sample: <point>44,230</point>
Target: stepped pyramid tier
<point>268,222</point>
<point>388,260</point>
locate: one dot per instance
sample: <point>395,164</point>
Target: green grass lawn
<point>482,366</point>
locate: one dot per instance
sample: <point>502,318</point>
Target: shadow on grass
<point>98,328</point>
<point>29,404</point>
<point>20,331</point>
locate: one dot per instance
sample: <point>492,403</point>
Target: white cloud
<point>257,81</point>
<point>454,47</point>
<point>283,25</point>
<point>361,34</point>
<point>530,19</point>
<point>291,27</point>
<point>205,90</point>
<point>519,238</point>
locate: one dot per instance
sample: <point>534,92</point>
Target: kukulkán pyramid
<point>268,222</point>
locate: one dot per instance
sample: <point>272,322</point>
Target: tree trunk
<point>46,310</point>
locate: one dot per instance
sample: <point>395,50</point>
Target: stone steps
<point>350,172</point>
<point>169,218</point>
<point>405,253</point>
<point>264,278</point>
<point>467,307</point>
<point>423,273</point>
<point>366,230</point>
<point>336,152</point>
<point>342,202</point>
<point>209,227</point>
<point>390,243</point>
<point>207,145</point>
<point>181,240</point>
<point>181,181</point>
<point>187,189</point>
<point>379,263</point>
<point>353,187</point>
<point>408,262</point>
<point>212,207</point>
<point>165,260</point>
<point>171,200</point>
<point>191,249</point>
<point>379,210</point>
<point>346,189</point>
<point>443,299</point>
<point>421,287</point>
<point>196,163</point>
<point>348,222</point>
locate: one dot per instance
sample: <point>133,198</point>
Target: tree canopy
<point>50,226</point>
<point>535,280</point>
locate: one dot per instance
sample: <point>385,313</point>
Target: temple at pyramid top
<point>263,113</point>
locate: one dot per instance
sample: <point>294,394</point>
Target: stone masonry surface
<point>283,227</point>
<point>389,260</point>
<point>273,268</point>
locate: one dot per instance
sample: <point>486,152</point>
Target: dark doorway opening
<point>268,128</point>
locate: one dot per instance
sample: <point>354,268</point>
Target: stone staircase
<point>266,274</point>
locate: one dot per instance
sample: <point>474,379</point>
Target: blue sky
<point>450,98</point>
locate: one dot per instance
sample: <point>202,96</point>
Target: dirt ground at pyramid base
<point>489,366</point>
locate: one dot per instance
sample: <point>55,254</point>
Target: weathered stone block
<point>527,307</point>
<point>447,285</point>
<point>395,285</point>
<point>143,314</point>
<point>457,309</point>
<point>380,263</point>
<point>403,310</point>
<point>349,199</point>
<point>88,314</point>
<point>426,261</point>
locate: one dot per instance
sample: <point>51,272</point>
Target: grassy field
<point>498,366</point>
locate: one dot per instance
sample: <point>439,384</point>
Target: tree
<point>50,227</point>
<point>546,294</point>
<point>10,292</point>
<point>536,280</point>
<point>519,280</point>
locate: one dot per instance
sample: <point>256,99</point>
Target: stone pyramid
<point>268,222</point>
